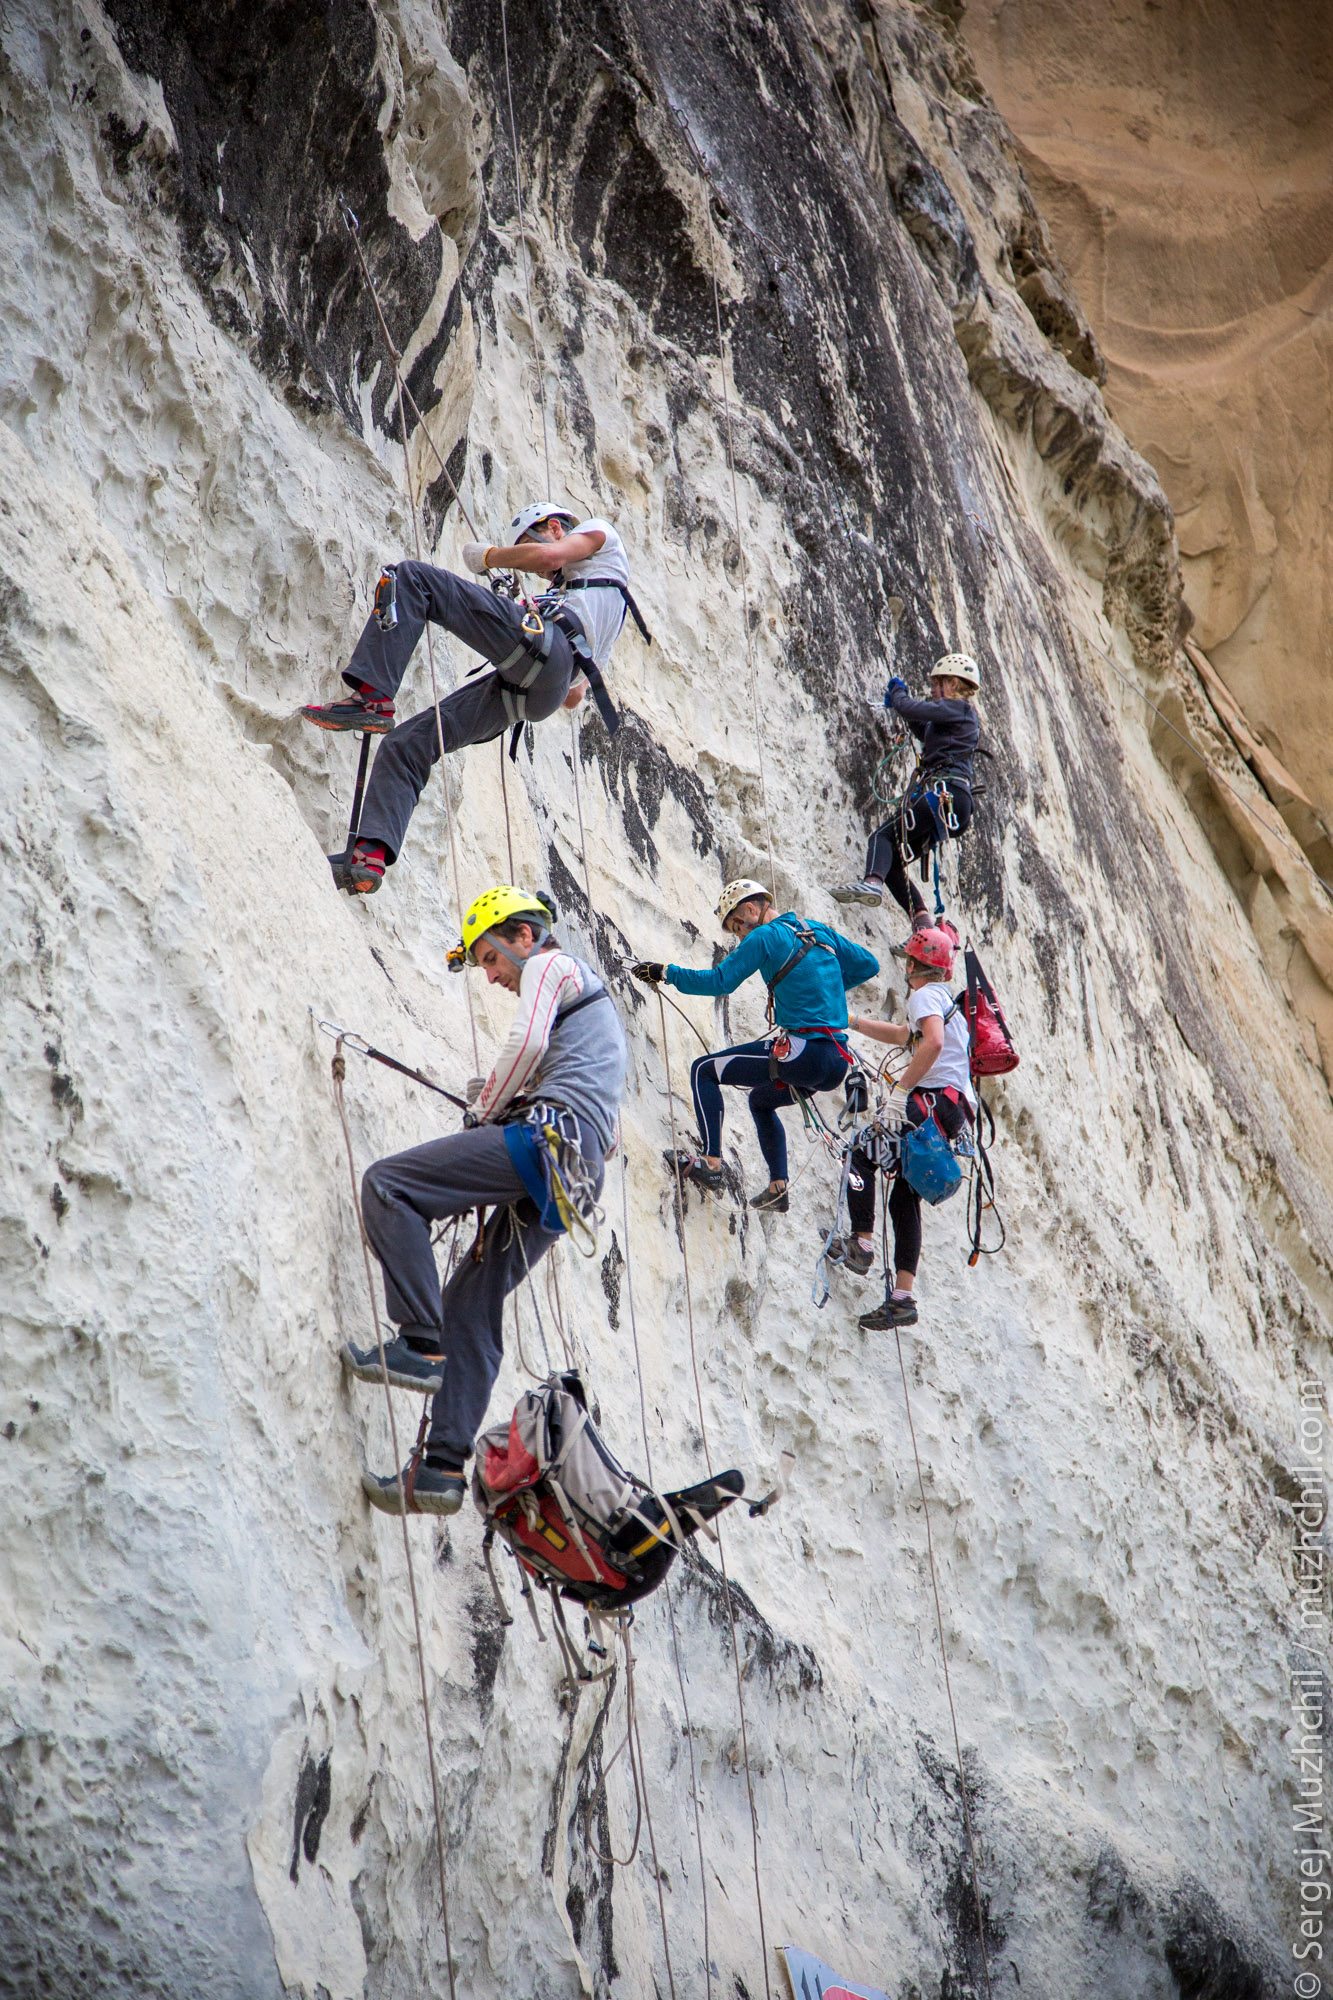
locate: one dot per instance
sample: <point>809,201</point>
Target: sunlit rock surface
<point>214,1779</point>
<point>1181,157</point>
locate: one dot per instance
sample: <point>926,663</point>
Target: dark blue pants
<point>819,1066</point>
<point>473,713</point>
<point>892,846</point>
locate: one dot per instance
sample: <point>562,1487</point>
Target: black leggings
<point>890,843</point>
<point>904,1201</point>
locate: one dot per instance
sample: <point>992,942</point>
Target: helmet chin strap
<point>539,937</point>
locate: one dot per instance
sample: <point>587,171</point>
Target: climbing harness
<point>339,1069</point>
<point>544,1144</point>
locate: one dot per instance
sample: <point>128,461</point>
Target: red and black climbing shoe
<point>893,1312</point>
<point>845,1250</point>
<point>774,1199</point>
<point>429,1492</point>
<point>408,1367</point>
<point>361,714</point>
<point>695,1170</point>
<point>361,872</point>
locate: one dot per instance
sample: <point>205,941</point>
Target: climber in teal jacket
<point>808,969</point>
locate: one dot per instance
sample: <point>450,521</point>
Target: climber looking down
<point>937,805</point>
<point>808,969</point>
<point>542,656</point>
<point>549,1105</point>
<point>936,1083</point>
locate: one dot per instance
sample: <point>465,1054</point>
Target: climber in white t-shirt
<point>545,651</point>
<point>936,1083</point>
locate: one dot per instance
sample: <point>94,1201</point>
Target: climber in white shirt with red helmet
<point>545,650</point>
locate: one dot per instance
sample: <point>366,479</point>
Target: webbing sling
<point>614,583</point>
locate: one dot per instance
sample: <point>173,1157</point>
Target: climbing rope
<point>339,1078</point>
<point>523,246</point>
<point>717,1528</point>
<point>504,794</point>
<point>403,397</point>
<point>722,351</point>
<point>944,1652</point>
<point>666,1585</point>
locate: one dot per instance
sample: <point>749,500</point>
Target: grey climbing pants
<point>473,713</point>
<point>400,1198</point>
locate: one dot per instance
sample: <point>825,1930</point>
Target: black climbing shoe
<point>408,1368</point>
<point>361,872</point>
<point>693,1504</point>
<point>893,1312</point>
<point>695,1170</point>
<point>845,1250</point>
<point>433,1493</point>
<point>772,1199</point>
<point>366,716</point>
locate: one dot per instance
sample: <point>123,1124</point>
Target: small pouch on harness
<point>544,1147</point>
<point>927,1162</point>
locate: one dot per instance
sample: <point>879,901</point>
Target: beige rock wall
<point>212,1760</point>
<point>1182,156</point>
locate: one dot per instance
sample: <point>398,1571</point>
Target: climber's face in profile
<point>744,917</point>
<point>499,970</point>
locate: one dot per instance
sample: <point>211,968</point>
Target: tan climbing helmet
<point>739,891</point>
<point>960,666</point>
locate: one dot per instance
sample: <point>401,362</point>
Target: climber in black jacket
<point>937,804</point>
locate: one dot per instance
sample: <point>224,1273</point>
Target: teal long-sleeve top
<point>814,993</point>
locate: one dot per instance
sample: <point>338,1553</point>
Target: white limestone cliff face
<point>212,1772</point>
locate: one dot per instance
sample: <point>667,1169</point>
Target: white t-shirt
<point>952,1068</point>
<point>600,612</point>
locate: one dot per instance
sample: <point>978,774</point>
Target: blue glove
<point>896,682</point>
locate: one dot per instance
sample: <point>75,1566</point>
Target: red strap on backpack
<point>991,1046</point>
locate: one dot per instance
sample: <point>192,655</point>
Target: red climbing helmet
<point>934,948</point>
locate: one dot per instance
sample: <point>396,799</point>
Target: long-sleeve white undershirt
<point>550,980</point>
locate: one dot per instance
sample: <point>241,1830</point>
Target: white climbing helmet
<point>541,510</point>
<point>961,666</point>
<point>739,891</point>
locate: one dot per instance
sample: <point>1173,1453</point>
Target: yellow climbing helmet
<point>493,906</point>
<point>739,891</point>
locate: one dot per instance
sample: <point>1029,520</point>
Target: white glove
<point>474,556</point>
<point>475,1086</point>
<point>895,1111</point>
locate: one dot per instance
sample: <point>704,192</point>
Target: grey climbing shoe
<point>845,1250</point>
<point>361,872</point>
<point>432,1492</point>
<point>869,893</point>
<point>774,1200</point>
<point>408,1368</point>
<point>893,1312</point>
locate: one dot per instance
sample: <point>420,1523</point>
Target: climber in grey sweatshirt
<point>565,1054</point>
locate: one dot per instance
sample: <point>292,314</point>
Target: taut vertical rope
<point>666,1582</point>
<point>717,1527</point>
<point>735,496</point>
<point>339,1075</point>
<point>523,248</point>
<point>404,396</point>
<point>944,1656</point>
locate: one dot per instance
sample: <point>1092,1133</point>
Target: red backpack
<point>991,1044</point>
